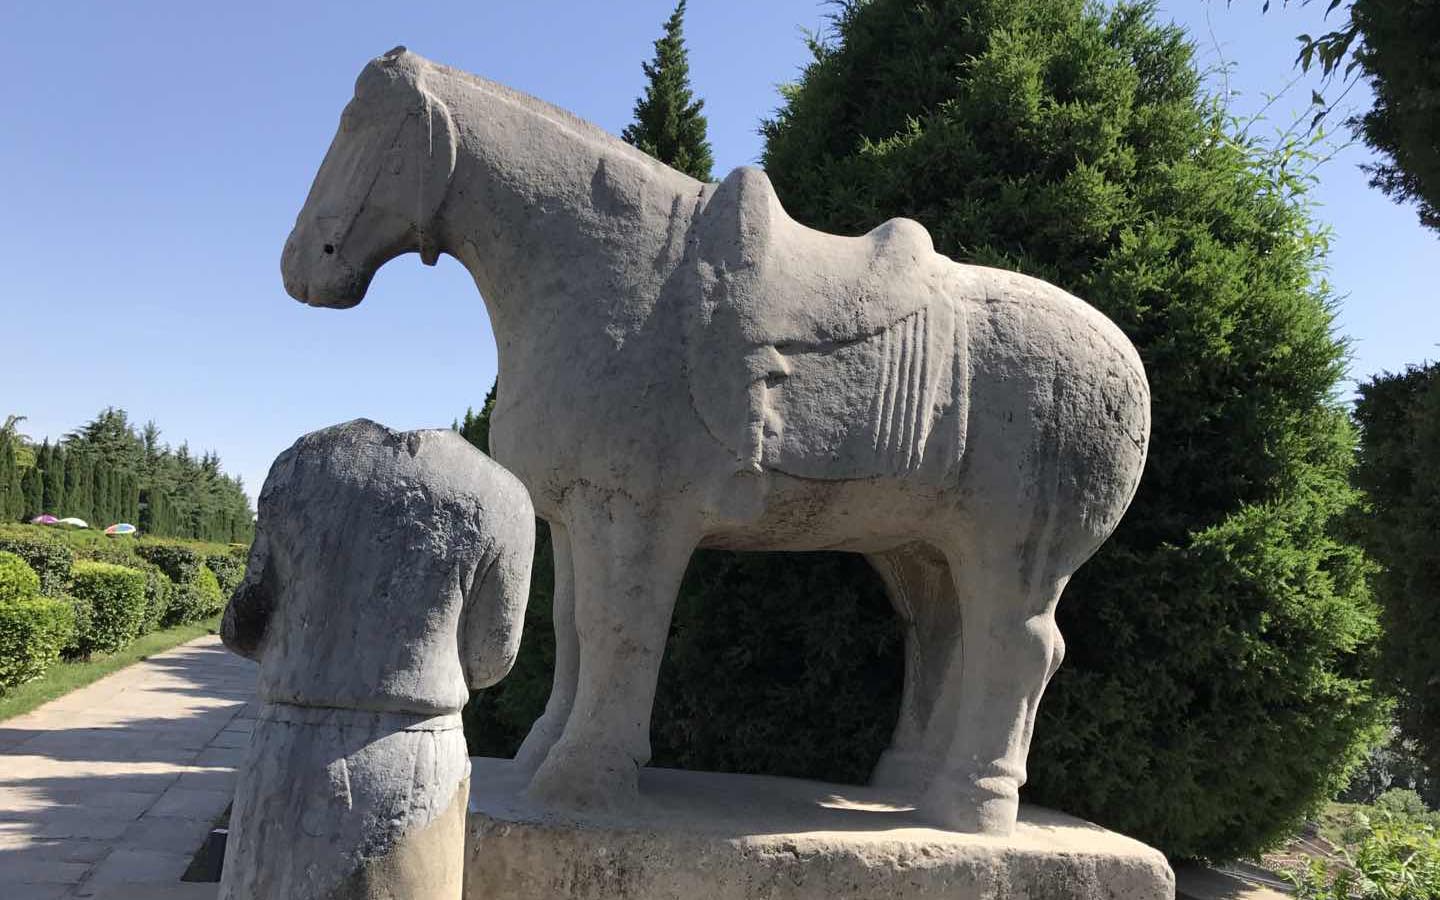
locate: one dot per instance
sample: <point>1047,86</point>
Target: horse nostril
<point>329,249</point>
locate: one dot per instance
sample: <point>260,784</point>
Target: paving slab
<point>107,792</point>
<point>36,891</point>
<point>185,803</point>
<point>179,891</point>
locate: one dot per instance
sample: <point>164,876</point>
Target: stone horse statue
<point>682,365</point>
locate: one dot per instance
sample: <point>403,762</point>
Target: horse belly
<point>891,405</point>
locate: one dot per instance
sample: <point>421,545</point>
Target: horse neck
<point>550,214</point>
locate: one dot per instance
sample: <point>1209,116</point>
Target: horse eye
<point>328,248</point>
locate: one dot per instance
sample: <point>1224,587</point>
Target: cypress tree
<point>9,480</point>
<point>668,121</point>
<point>1399,418</point>
<point>55,481</point>
<point>99,494</point>
<point>117,496</point>
<point>42,460</point>
<point>33,491</point>
<point>148,519</point>
<point>1217,683</point>
<point>77,484</point>
<point>132,500</point>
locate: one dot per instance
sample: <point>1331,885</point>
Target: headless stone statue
<point>388,577</point>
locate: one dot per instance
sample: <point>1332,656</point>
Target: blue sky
<point>155,155</point>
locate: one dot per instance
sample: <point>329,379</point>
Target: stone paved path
<point>109,790</point>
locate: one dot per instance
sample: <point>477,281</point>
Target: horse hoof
<point>988,806</point>
<point>536,746</point>
<point>904,772</point>
<point>587,779</point>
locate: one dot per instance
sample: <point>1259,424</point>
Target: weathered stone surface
<point>388,576</point>
<point>739,837</point>
<point>683,365</point>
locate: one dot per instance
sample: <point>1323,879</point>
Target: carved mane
<point>565,120</point>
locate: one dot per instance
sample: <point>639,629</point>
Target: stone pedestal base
<point>701,836</point>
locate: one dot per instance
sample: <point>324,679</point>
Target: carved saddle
<point>821,356</point>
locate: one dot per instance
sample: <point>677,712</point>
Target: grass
<point>64,677</point>
<point>1337,822</point>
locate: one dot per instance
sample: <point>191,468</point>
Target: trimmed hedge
<point>83,614</point>
<point>196,599</point>
<point>229,570</point>
<point>111,590</point>
<point>17,580</point>
<point>158,586</point>
<point>50,558</point>
<point>178,562</point>
<point>158,593</point>
<point>117,601</point>
<point>33,631</point>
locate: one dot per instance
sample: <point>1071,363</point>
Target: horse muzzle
<point>320,275</point>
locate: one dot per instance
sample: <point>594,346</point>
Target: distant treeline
<point>107,472</point>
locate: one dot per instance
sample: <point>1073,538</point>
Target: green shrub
<point>17,580</point>
<point>196,599</point>
<point>836,673</point>
<point>1401,802</point>
<point>116,596</point>
<point>179,562</point>
<point>50,558</point>
<point>33,631</point>
<point>83,615</point>
<point>1395,858</point>
<point>158,591</point>
<point>157,584</point>
<point>228,569</point>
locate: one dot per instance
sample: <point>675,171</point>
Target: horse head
<point>380,188</point>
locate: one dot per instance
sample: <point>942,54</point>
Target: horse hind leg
<point>921,588</point>
<point>547,729</point>
<point>1011,647</point>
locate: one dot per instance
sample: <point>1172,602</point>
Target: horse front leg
<point>628,567</point>
<point>547,729</point>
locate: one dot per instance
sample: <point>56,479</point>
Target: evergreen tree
<point>1393,46</point>
<point>132,500</point>
<point>10,498</point>
<point>110,440</point>
<point>668,121</point>
<point>193,498</point>
<point>152,450</point>
<point>1397,54</point>
<point>77,485</point>
<point>33,490</point>
<point>55,481</point>
<point>1399,418</point>
<point>45,466</point>
<point>99,494</point>
<point>475,428</point>
<point>1216,686</point>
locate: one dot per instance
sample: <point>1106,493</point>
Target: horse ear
<point>439,166</point>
